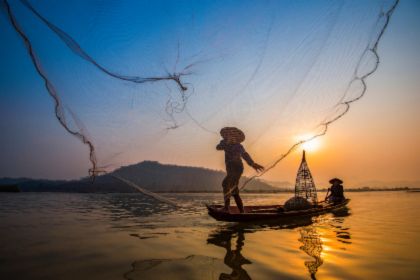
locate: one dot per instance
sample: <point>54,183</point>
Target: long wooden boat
<point>270,212</point>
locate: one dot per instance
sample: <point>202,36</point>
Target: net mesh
<point>136,80</point>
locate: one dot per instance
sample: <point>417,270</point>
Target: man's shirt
<point>234,153</point>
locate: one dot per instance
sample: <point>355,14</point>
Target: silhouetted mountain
<point>28,184</point>
<point>281,185</point>
<point>389,184</point>
<point>150,175</point>
<point>168,178</point>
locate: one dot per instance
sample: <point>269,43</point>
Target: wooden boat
<point>270,212</point>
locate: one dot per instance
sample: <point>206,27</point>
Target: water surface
<point>129,236</point>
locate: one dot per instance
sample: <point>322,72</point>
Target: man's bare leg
<point>239,203</point>
<point>227,204</point>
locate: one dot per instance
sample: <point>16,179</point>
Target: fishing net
<point>136,80</point>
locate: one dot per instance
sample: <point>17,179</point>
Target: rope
<point>146,192</point>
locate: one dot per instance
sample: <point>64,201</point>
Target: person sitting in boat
<point>234,151</point>
<point>335,193</point>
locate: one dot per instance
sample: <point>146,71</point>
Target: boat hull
<point>270,212</point>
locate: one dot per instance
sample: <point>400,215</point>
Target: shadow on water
<point>232,238</point>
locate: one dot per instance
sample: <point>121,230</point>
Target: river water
<point>130,236</point>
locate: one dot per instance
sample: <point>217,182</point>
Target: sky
<point>298,58</point>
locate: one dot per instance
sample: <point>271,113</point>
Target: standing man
<point>234,152</point>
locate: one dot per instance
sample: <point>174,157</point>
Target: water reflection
<point>121,206</point>
<point>315,235</point>
<point>310,237</point>
<point>312,245</point>
<point>42,231</point>
<point>342,232</point>
<point>233,258</point>
<point>190,268</point>
<point>232,239</point>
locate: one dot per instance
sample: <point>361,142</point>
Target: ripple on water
<point>377,238</point>
<point>192,267</point>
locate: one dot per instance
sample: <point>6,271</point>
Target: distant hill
<point>281,185</point>
<point>158,177</point>
<point>28,184</point>
<point>150,175</point>
<point>390,184</point>
<point>169,178</point>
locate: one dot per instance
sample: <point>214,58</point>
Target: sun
<point>311,145</point>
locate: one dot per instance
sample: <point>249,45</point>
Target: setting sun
<point>203,140</point>
<point>312,145</point>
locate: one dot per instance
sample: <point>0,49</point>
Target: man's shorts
<point>230,183</point>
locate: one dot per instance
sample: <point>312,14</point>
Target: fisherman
<point>232,137</point>
<point>335,193</point>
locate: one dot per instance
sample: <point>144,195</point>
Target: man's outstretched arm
<point>250,162</point>
<point>221,146</point>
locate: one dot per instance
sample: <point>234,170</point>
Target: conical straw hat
<point>232,135</point>
<point>332,181</point>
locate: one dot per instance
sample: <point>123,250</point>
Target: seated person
<point>335,193</point>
